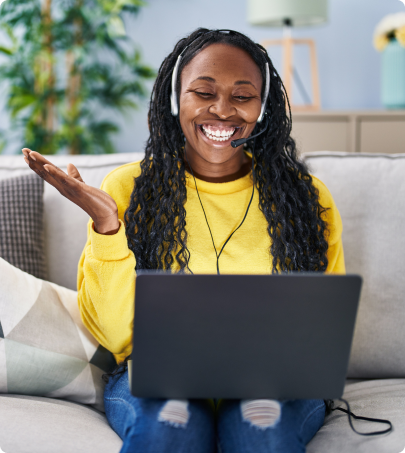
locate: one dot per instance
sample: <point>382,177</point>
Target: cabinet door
<point>332,135</point>
<point>382,136</point>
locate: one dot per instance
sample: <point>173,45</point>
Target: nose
<point>222,108</point>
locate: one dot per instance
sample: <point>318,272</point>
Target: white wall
<point>349,67</point>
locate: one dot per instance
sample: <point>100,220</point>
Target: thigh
<point>299,421</point>
<point>152,425</point>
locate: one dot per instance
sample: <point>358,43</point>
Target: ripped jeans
<point>148,425</point>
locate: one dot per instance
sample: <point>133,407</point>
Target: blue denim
<point>208,429</point>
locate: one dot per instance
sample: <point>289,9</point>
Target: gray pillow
<point>22,224</point>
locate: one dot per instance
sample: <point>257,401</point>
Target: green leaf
<point>116,6</point>
<point>19,102</point>
<point>6,50</point>
<point>2,143</point>
<point>116,27</point>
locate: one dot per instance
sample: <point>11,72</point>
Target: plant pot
<point>393,76</point>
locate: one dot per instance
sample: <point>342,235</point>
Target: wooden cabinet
<point>350,131</point>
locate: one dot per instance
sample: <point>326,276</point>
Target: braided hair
<point>156,217</point>
<point>155,220</point>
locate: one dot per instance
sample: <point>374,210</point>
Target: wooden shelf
<point>364,131</point>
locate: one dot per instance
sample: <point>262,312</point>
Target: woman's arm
<point>336,260</point>
<point>106,290</point>
<point>106,278</point>
<point>335,254</point>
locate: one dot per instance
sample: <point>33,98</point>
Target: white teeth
<point>218,136</point>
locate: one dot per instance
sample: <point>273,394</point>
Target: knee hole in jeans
<point>175,413</point>
<point>262,414</point>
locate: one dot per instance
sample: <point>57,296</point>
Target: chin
<point>217,155</point>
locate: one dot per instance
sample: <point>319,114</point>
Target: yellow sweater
<point>106,270</point>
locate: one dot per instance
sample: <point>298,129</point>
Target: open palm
<point>100,206</point>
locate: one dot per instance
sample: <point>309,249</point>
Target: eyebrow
<point>210,79</point>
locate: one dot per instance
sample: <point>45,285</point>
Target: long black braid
<point>155,220</point>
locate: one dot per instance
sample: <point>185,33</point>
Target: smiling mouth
<point>218,134</point>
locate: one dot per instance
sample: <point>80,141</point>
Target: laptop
<point>285,336</point>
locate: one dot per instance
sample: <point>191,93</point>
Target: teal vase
<point>393,76</point>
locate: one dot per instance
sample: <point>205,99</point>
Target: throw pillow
<point>22,223</point>
<point>45,350</point>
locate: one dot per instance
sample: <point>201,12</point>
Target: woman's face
<point>219,101</point>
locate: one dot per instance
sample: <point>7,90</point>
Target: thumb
<point>74,172</point>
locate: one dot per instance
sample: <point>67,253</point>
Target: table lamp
<point>288,14</point>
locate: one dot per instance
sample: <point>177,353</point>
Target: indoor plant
<point>69,67</point>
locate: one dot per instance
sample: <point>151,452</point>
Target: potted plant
<point>389,38</point>
<point>69,67</point>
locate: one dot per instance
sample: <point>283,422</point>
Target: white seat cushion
<point>381,398</point>
<point>32,424</point>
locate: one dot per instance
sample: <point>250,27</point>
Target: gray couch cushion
<point>66,223</point>
<point>369,191</point>
<point>384,399</point>
<point>32,424</point>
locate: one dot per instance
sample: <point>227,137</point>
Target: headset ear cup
<point>266,94</point>
<point>174,104</point>
<point>173,96</point>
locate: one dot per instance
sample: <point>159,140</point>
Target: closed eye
<point>240,98</point>
<point>203,94</point>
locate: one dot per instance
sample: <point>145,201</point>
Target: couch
<point>369,190</point>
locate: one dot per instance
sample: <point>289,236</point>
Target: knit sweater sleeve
<point>335,255</point>
<point>106,276</point>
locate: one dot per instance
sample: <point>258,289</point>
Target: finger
<point>69,187</point>
<point>39,170</point>
<point>48,171</point>
<point>60,176</point>
<point>26,152</point>
<point>74,172</point>
<point>56,172</point>
<point>36,156</point>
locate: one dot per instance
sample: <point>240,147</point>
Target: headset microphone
<point>242,141</point>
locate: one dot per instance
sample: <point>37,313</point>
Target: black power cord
<point>330,406</point>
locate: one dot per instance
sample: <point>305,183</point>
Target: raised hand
<point>95,202</point>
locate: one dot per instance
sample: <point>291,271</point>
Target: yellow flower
<point>380,42</point>
<point>400,35</point>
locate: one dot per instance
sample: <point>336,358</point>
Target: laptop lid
<point>243,336</point>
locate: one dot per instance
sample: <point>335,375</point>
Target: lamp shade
<point>302,13</point>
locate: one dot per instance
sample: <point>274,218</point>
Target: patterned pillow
<point>22,223</point>
<point>45,350</point>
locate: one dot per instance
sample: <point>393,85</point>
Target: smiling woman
<point>194,194</point>
<point>220,106</point>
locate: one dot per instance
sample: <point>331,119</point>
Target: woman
<point>175,210</point>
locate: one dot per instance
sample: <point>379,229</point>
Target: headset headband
<point>173,96</point>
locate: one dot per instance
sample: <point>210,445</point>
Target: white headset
<point>173,96</point>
